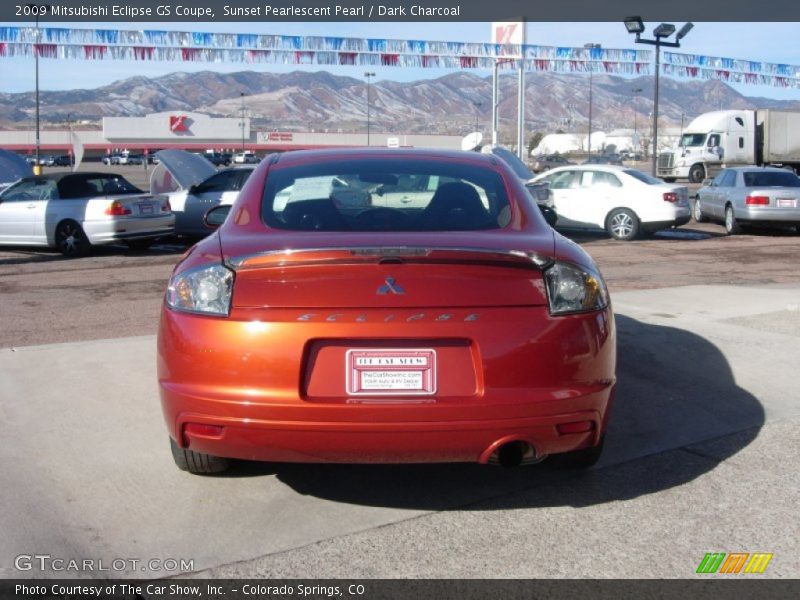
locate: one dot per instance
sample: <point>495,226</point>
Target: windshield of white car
<point>693,139</point>
<point>643,177</point>
<point>770,179</point>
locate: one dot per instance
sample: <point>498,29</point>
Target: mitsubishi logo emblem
<point>390,287</point>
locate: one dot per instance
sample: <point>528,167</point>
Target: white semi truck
<point>726,138</point>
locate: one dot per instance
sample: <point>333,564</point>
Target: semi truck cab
<point>711,141</point>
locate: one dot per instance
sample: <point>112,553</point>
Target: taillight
<point>670,197</point>
<point>762,200</point>
<point>166,207</point>
<point>117,209</point>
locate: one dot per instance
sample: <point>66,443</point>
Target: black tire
<point>697,173</point>
<point>139,245</point>
<point>731,224</point>
<point>197,463</point>
<point>622,224</point>
<point>71,240</point>
<point>697,212</point>
<point>585,458</point>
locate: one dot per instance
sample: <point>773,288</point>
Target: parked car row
<point>62,160</point>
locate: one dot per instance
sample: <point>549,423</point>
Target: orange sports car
<point>385,306</point>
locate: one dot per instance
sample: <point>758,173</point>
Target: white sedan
<point>74,211</point>
<point>622,201</point>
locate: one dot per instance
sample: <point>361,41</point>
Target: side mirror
<point>216,216</point>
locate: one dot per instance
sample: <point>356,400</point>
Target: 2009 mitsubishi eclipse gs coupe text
<point>460,327</point>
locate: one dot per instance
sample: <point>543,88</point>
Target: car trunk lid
<point>389,276</point>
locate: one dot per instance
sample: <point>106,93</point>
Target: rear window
<point>770,179</point>
<point>643,177</point>
<point>385,195</point>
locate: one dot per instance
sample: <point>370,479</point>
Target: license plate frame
<point>391,372</point>
<point>786,202</point>
<point>146,209</point>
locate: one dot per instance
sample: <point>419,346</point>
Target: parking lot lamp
<point>242,123</point>
<point>35,9</point>
<point>368,75</point>
<point>635,25</point>
<point>590,47</point>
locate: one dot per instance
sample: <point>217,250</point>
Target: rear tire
<point>622,224</point>
<point>197,463</point>
<point>731,224</point>
<point>585,458</point>
<point>697,212</point>
<point>71,240</point>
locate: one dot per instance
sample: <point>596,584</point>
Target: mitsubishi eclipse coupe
<point>455,328</point>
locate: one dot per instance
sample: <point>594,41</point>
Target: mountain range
<point>456,103</point>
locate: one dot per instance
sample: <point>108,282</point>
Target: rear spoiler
<point>389,255</point>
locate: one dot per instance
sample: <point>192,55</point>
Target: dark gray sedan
<point>743,196</point>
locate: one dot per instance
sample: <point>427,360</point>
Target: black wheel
<point>585,458</point>
<point>197,462</point>
<point>622,224</point>
<point>697,173</point>
<point>731,224</point>
<point>697,211</point>
<point>71,240</point>
<point>139,245</point>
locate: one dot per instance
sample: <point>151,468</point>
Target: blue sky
<point>765,42</point>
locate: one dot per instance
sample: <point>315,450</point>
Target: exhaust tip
<point>511,454</point>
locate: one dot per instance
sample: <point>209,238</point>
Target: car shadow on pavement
<point>675,390</point>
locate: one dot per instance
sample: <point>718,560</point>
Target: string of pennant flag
<point>184,46</point>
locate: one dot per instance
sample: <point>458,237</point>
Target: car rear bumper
<point>768,215</point>
<point>666,224</point>
<point>531,375</point>
<point>106,232</point>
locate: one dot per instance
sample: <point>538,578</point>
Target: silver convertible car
<point>74,211</point>
<point>743,196</point>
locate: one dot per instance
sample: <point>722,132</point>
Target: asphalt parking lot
<point>699,457</point>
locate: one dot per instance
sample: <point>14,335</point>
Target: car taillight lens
<point>571,289</point>
<point>757,200</point>
<point>205,290</point>
<point>117,209</point>
<point>670,197</point>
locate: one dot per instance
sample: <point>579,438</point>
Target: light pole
<point>35,9</point>
<point>660,33</point>
<point>590,48</point>
<point>368,75</point>
<point>242,122</point>
<point>477,106</point>
<point>636,91</point>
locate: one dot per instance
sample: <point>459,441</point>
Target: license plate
<point>389,372</point>
<point>145,209</point>
<point>787,202</point>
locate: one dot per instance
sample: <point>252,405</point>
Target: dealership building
<point>198,132</point>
